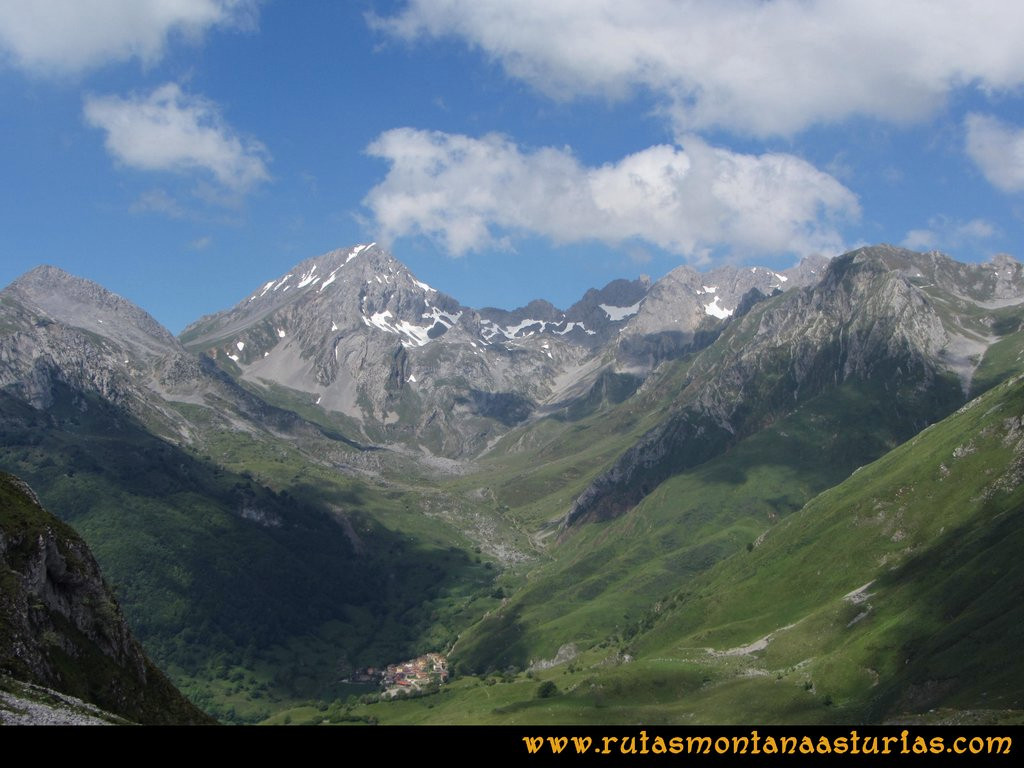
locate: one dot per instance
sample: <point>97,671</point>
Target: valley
<point>734,496</point>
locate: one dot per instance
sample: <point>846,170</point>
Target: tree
<point>547,689</point>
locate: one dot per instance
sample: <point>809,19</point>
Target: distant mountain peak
<point>80,303</point>
<point>318,272</point>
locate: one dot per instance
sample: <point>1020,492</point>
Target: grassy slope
<point>889,595</point>
<point>603,576</point>
<point>935,528</point>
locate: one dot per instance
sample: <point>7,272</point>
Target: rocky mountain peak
<point>684,300</point>
<point>53,294</point>
<point>338,292</point>
<point>998,283</point>
<point>358,333</point>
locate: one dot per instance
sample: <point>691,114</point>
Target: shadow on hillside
<point>497,643</point>
<point>958,639</point>
<point>832,434</point>
<point>214,569</point>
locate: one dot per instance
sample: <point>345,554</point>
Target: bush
<point>547,689</point>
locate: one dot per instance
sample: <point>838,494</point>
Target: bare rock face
<point>354,332</point>
<point>61,329</point>
<point>52,293</point>
<point>60,333</point>
<point>877,314</point>
<point>60,626</point>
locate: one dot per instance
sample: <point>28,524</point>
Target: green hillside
<point>256,577</point>
<point>605,575</point>
<point>889,596</point>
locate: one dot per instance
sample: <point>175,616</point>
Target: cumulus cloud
<point>475,193</point>
<point>763,68</point>
<point>64,36</point>
<point>951,233</point>
<point>998,151</point>
<point>169,130</point>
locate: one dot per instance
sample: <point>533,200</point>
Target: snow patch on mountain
<point>262,293</point>
<point>309,277</point>
<point>781,278</point>
<point>715,310</point>
<point>620,313</point>
<point>380,320</point>
<point>416,334</point>
<point>570,326</point>
<point>513,330</point>
<point>490,331</point>
<point>357,250</point>
<point>413,335</point>
<point>440,316</point>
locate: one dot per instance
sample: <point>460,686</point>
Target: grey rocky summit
<point>354,332</point>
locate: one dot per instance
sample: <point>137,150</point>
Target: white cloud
<point>158,201</point>
<point>763,68</point>
<point>920,240</point>
<point>949,233</point>
<point>976,229</point>
<point>169,130</point>
<point>472,194</point>
<point>64,36</point>
<point>998,150</point>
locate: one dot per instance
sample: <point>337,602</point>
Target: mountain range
<point>355,333</point>
<point>631,497</point>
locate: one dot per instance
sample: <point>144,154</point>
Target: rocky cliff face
<point>60,333</point>
<point>878,315</point>
<point>60,626</point>
<point>38,349</point>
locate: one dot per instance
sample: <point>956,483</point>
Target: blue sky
<point>183,152</point>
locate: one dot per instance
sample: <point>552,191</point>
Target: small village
<point>416,676</point>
